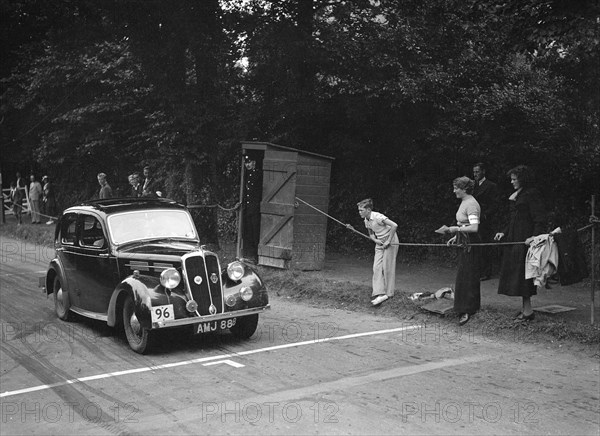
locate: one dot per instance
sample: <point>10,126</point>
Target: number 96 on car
<point>212,326</point>
<point>162,313</point>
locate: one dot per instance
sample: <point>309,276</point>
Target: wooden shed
<point>291,234</point>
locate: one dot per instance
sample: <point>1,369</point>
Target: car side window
<point>91,232</point>
<point>68,229</point>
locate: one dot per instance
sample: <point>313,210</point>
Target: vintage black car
<point>138,263</point>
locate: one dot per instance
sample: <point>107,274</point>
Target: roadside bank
<point>345,282</point>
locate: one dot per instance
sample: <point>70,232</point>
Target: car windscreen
<point>150,224</point>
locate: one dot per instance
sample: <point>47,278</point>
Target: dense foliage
<point>405,94</point>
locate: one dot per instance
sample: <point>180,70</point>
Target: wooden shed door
<point>277,208</point>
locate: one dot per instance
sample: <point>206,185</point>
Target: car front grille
<point>204,280</point>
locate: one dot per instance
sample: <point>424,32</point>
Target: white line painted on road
<point>202,360</point>
<point>22,274</point>
<point>227,362</point>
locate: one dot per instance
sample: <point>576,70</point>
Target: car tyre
<point>245,327</point>
<point>138,337</point>
<point>62,303</point>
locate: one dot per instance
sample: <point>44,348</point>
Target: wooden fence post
<point>593,291</point>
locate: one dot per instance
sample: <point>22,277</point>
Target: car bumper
<point>209,318</point>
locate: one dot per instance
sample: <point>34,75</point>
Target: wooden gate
<point>8,204</point>
<point>277,208</point>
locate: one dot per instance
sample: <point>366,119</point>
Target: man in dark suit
<point>150,188</point>
<point>486,194</point>
<point>253,177</point>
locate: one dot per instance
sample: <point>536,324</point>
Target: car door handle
<point>105,255</point>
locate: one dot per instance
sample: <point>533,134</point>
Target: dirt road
<point>308,370</point>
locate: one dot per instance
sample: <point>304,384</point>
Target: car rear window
<point>91,232</point>
<point>68,229</point>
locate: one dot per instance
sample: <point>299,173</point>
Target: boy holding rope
<point>382,231</point>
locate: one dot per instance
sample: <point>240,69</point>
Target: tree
<point>69,102</point>
<point>189,59</point>
<point>405,94</point>
<point>142,86</point>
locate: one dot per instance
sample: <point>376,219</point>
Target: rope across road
<point>410,244</point>
<point>593,222</point>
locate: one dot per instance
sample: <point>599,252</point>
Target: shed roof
<point>256,145</point>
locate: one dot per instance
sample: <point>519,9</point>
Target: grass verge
<point>40,234</point>
<point>489,324</point>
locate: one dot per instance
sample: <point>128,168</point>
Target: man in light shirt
<point>35,198</point>
<point>382,231</point>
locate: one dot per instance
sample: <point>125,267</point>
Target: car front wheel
<point>245,327</point>
<point>137,336</point>
<point>62,303</point>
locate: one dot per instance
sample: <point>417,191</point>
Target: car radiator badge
<point>212,309</point>
<point>214,278</point>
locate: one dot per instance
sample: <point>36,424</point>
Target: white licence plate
<point>162,313</point>
<point>213,326</point>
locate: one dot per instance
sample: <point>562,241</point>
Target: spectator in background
<point>35,198</point>
<point>49,200</point>
<point>20,182</point>
<point>135,188</point>
<point>16,196</point>
<point>486,194</point>
<point>105,189</point>
<point>253,178</point>
<point>150,187</point>
<point>527,220</point>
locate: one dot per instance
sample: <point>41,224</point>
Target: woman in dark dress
<point>467,296</point>
<point>527,219</point>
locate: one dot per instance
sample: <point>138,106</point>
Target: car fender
<point>250,279</point>
<point>142,292</point>
<point>55,269</point>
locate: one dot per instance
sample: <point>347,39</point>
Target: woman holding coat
<point>527,220</point>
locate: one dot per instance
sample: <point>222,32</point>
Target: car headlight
<point>246,293</point>
<point>170,278</point>
<point>235,271</point>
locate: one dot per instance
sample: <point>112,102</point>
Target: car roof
<point>115,205</point>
